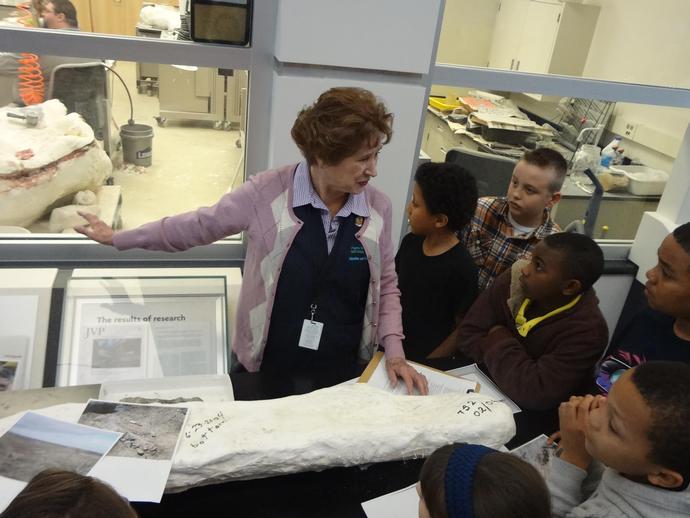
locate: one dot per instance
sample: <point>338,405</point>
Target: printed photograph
<point>37,442</point>
<point>149,432</point>
<point>537,453</point>
<point>116,353</point>
<point>8,371</point>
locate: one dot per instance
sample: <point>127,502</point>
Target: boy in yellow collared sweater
<point>538,328</point>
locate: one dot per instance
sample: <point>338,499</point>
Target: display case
<point>83,326</point>
<point>25,300</point>
<point>139,327</point>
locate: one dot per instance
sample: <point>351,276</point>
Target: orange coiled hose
<point>31,81</point>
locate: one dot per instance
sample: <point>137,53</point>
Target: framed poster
<point>118,328</point>
<point>14,360</point>
<point>25,297</point>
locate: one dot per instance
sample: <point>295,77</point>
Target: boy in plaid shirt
<point>506,228</point>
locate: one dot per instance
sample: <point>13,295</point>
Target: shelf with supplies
<point>440,135</point>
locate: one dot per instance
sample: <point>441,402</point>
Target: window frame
<point>257,59</point>
<point>550,84</point>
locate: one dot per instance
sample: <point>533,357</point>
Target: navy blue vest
<point>337,283</point>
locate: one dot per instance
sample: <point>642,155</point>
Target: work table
<point>335,492</point>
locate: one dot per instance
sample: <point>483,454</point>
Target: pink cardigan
<point>262,207</point>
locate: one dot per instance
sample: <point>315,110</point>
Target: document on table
<point>139,465</point>
<point>403,503</point>
<point>538,453</point>
<point>36,442</point>
<point>486,386</point>
<point>439,382</point>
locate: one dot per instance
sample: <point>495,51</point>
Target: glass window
<point>477,123</point>
<point>615,40</point>
<point>166,19</point>
<point>155,140</point>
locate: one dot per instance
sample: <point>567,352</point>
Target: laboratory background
<point>135,110</point>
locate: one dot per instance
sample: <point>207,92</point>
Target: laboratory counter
<point>619,215</point>
<point>335,492</point>
<point>573,188</point>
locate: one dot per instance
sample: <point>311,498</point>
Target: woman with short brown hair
<point>339,123</point>
<point>319,288</point>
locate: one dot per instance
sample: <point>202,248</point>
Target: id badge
<point>311,334</point>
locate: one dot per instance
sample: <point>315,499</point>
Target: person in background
<point>51,14</point>
<point>507,228</point>
<point>470,480</point>
<point>640,434</point>
<point>58,14</point>
<point>662,330</point>
<point>319,289</point>
<point>37,7</point>
<point>538,328</point>
<point>436,275</point>
<point>55,493</point>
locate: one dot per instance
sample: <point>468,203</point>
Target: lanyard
<point>322,270</point>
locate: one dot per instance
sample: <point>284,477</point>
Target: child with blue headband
<point>469,480</point>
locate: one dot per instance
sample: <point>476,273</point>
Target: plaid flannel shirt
<point>490,241</point>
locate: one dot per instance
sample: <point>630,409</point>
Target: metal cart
<point>147,73</point>
<point>202,94</point>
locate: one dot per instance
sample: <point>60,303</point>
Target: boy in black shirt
<point>436,275</point>
<point>661,331</point>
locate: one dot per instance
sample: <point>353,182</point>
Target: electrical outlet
<point>630,130</point>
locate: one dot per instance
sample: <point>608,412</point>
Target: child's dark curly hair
<point>448,189</point>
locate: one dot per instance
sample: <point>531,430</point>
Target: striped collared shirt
<point>490,240</point>
<point>304,194</point>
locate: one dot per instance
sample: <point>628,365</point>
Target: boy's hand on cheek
<point>573,416</point>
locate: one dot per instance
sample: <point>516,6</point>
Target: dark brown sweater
<point>554,361</point>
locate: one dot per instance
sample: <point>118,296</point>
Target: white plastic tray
<point>208,387</point>
<point>643,180</point>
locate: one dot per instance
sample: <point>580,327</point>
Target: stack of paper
<point>439,382</point>
<point>504,120</point>
<point>486,386</point>
<point>403,503</point>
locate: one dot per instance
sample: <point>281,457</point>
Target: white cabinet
<point>543,37</point>
<point>510,21</point>
<point>538,37</point>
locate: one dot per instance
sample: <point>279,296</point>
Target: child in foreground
<point>506,228</point>
<point>436,275</point>
<point>55,493</point>
<point>661,331</point>
<point>538,328</point>
<point>470,480</point>
<point>640,433</point>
